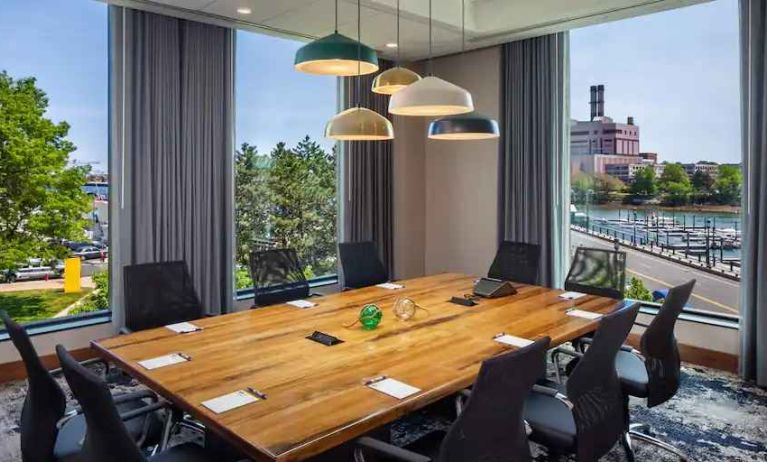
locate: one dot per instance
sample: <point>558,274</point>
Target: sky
<point>676,72</point>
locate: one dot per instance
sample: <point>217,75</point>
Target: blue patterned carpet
<point>714,417</point>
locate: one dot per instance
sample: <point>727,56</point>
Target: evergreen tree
<point>251,194</point>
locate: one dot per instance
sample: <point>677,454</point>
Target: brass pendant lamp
<point>358,123</point>
<point>397,78</point>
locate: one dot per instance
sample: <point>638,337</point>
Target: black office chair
<point>516,261</point>
<point>490,426</point>
<point>361,265</point>
<point>588,413</point>
<point>158,294</point>
<point>278,277</point>
<point>599,272</point>
<point>50,432</point>
<point>655,373</point>
<point>107,437</point>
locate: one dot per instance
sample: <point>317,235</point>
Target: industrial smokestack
<point>593,101</point>
<point>630,120</point>
<point>600,100</point>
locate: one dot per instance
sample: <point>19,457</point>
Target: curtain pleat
<point>172,161</point>
<point>533,148</point>
<point>368,179</point>
<point>753,315</point>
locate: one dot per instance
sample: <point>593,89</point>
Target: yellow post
<point>72,275</point>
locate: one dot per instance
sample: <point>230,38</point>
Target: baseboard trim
<point>16,371</point>
<point>701,356</point>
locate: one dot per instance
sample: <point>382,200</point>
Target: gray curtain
<point>753,316</point>
<point>367,186</point>
<point>534,149</point>
<point>171,101</point>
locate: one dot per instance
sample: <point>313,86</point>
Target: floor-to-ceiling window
<point>285,168</point>
<point>655,149</point>
<point>54,176</point>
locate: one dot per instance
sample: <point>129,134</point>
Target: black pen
<point>185,356</point>
<point>374,380</point>
<point>256,393</point>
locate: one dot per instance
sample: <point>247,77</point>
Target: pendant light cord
<point>398,51</point>
<point>359,52</point>
<point>336,29</point>
<point>463,33</point>
<point>431,58</point>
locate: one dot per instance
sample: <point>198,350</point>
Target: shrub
<point>638,291</point>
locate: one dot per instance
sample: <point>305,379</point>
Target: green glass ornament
<point>370,316</point>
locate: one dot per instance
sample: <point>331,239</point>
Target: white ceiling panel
<point>488,22</point>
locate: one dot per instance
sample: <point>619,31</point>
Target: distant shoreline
<point>664,208</point>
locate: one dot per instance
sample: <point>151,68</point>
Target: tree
<point>605,186</point>
<point>581,184</point>
<point>251,194</point>
<point>638,291</point>
<point>729,184</point>
<point>41,194</point>
<point>644,182</point>
<point>675,183</point>
<point>702,182</point>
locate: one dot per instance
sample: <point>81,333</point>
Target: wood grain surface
<point>316,396</point>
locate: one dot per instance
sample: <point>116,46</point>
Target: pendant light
<point>395,79</point>
<point>336,54</point>
<point>469,126</point>
<point>359,123</point>
<point>431,96</point>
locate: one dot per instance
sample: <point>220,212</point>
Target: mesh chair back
<point>491,427</point>
<point>278,276</point>
<point>659,348</point>
<point>600,407</point>
<point>157,294</point>
<point>44,404</point>
<point>106,437</point>
<point>516,261</point>
<point>361,265</point>
<point>598,272</point>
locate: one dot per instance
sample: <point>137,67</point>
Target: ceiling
<point>488,22</point>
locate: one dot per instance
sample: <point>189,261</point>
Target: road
<point>711,293</point>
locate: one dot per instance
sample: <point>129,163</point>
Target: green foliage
<point>99,298</point>
<point>242,278</point>
<point>644,182</point>
<point>41,196</point>
<point>702,182</point>
<point>35,305</point>
<point>605,186</point>
<point>287,200</point>
<point>729,185</point>
<point>581,184</point>
<point>638,291</point>
<point>675,183</point>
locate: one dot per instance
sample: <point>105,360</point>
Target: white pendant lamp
<point>359,123</point>
<point>397,78</point>
<point>431,96</point>
<point>469,126</point>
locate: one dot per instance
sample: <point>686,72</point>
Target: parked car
<point>34,270</point>
<point>90,252</point>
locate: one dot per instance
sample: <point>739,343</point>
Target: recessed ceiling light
<point>391,45</point>
<point>244,10</point>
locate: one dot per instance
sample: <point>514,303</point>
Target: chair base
<point>636,431</point>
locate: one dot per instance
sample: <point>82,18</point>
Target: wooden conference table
<point>316,398</point>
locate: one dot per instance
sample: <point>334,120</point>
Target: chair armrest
<point>315,294</point>
<point>387,449</point>
<point>88,362</point>
<point>624,347</point>
<point>554,393</point>
<point>136,395</point>
<point>149,408</point>
<point>460,400</point>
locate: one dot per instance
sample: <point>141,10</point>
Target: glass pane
<point>285,185</point>
<point>655,150</point>
<point>54,177</point>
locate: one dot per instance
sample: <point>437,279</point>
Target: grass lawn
<point>34,305</point>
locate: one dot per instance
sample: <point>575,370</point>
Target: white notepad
<point>511,340</point>
<point>572,295</point>
<point>162,361</point>
<point>301,304</point>
<point>583,314</point>
<point>183,327</point>
<point>230,401</point>
<point>394,388</point>
<point>390,286</point>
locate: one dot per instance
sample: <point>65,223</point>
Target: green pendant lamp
<point>359,123</point>
<point>469,126</point>
<point>336,54</point>
<point>395,79</point>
